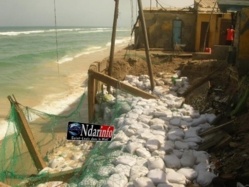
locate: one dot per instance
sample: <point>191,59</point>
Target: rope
<point>56,40</point>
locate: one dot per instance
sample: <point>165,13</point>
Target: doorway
<point>177,32</point>
<point>204,37</point>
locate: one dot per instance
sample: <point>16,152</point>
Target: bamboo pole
<point>28,136</point>
<point>141,16</point>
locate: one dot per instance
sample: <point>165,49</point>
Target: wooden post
<point>142,20</point>
<point>28,136</point>
<point>114,27</point>
<point>91,97</point>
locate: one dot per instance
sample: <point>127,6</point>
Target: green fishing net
<point>84,158</point>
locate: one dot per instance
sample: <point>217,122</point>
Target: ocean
<point>45,67</point>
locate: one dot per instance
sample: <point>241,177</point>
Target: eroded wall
<point>160,29</point>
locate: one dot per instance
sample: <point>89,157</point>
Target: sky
<point>75,12</point>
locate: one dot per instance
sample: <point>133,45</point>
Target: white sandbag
<point>129,131</point>
<point>201,157</point>
<point>122,169</point>
<point>193,145</point>
<point>88,181</point>
<point>174,177</point>
<point>56,162</point>
<point>144,118</point>
<point>143,182</point>
<point>204,126</point>
<point>172,161</point>
<point>138,171</point>
<point>178,153</point>
<point>202,167</point>
<point>176,131</point>
<point>155,121</point>
<point>137,140</point>
<point>191,132</point>
<point>168,146</point>
<point>160,152</point>
<point>158,126</point>
<point>158,132</point>
<point>157,176</point>
<point>175,121</point>
<point>129,184</point>
<point>131,147</point>
<point>105,171</point>
<point>159,114</point>
<point>194,113</point>
<point>186,117</point>
<point>158,90</point>
<point>132,115</point>
<point>142,152</point>
<point>161,139</point>
<point>126,160</point>
<point>189,173</point>
<point>197,121</point>
<point>129,121</point>
<point>116,180</point>
<point>188,159</point>
<point>155,163</point>
<point>144,125</point>
<point>140,161</point>
<point>181,145</point>
<point>152,144</point>
<point>205,178</point>
<point>46,170</point>
<point>138,110</point>
<point>124,107</point>
<point>168,184</point>
<point>118,122</point>
<point>120,136</point>
<point>174,137</point>
<point>115,144</point>
<point>137,126</point>
<point>147,135</point>
<point>210,117</point>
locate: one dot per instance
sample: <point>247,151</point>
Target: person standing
<point>230,35</point>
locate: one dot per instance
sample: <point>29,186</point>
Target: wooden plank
<point>120,85</point>
<point>214,129</point>
<point>49,177</point>
<point>28,136</point>
<point>212,140</point>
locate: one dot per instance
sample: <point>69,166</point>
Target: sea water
<point>45,67</point>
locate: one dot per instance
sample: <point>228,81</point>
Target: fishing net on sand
<point>49,134</point>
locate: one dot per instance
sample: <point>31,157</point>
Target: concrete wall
<point>160,29</point>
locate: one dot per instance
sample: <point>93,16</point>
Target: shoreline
<point>60,103</point>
